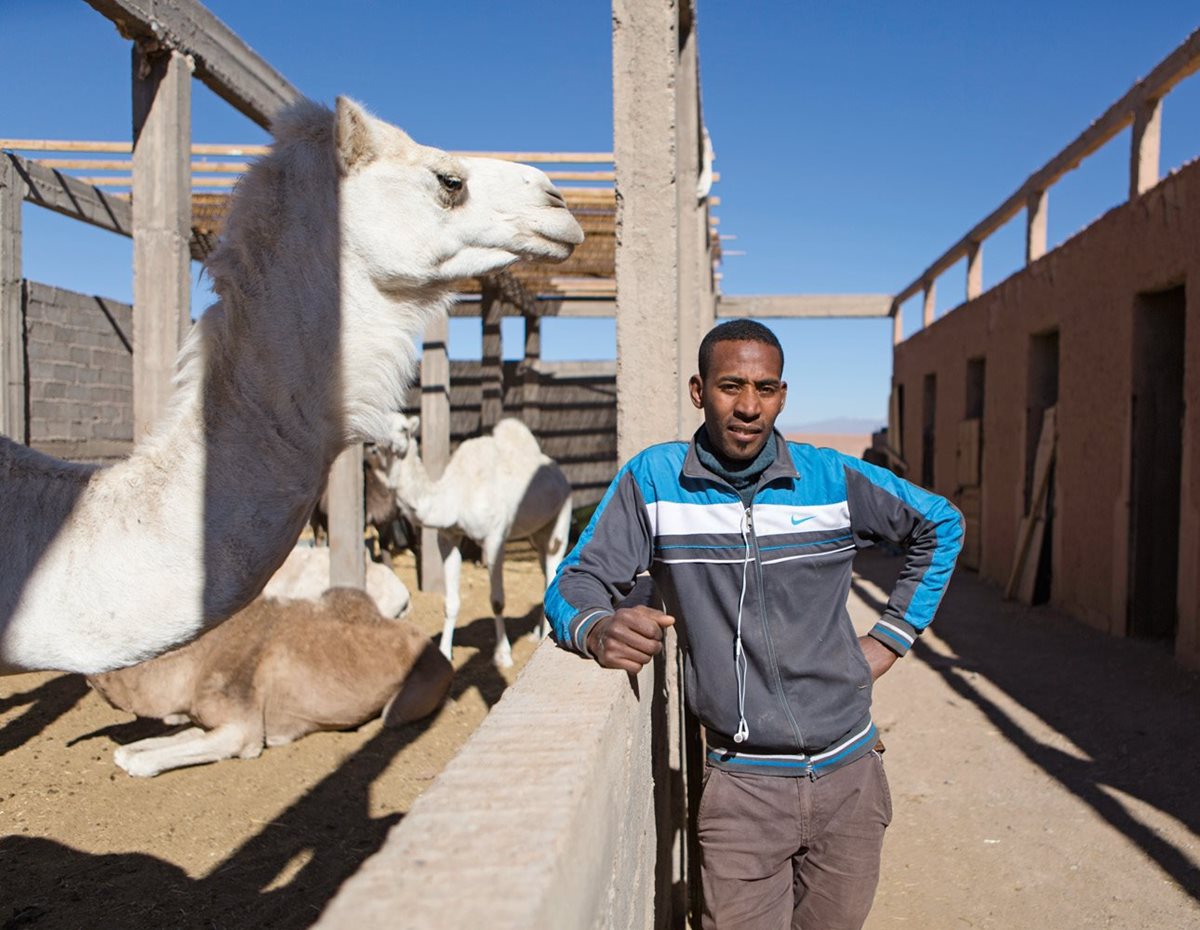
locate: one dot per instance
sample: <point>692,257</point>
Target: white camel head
<point>401,434</point>
<point>462,217</point>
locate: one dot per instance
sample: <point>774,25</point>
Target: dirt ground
<point>236,844</point>
<point>1043,776</point>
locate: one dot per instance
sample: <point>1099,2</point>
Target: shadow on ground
<point>1131,709</point>
<point>281,878</point>
<point>480,671</point>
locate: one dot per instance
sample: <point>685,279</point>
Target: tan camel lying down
<point>272,673</point>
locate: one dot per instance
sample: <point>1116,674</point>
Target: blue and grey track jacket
<point>759,593</point>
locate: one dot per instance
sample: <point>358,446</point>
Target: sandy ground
<point>246,844</point>
<point>1043,777</point>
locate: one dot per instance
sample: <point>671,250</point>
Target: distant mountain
<point>851,426</point>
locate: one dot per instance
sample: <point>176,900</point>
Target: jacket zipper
<point>762,602</point>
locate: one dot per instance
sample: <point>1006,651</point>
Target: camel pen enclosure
<point>85,377</point>
<point>555,795</point>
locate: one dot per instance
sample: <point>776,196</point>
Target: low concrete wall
<point>545,819</point>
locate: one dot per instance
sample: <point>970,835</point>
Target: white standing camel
<point>339,246</point>
<point>274,672</point>
<point>494,488</point>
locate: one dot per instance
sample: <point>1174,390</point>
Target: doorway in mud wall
<point>1156,457</point>
<point>928,421</point>
<point>1042,394</point>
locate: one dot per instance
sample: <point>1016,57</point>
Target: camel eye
<point>450,182</point>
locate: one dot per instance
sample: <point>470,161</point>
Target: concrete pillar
<point>645,55</point>
<point>491,407</point>
<point>930,305</point>
<point>435,435</point>
<point>974,270</point>
<point>346,519</point>
<point>162,222</point>
<point>1035,226</point>
<point>531,372</point>
<point>1146,142</point>
<point>13,422</point>
<point>695,270</point>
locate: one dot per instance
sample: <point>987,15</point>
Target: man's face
<point>741,397</point>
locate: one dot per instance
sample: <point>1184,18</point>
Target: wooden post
<point>13,422</point>
<point>930,305</point>
<point>645,55</point>
<point>162,220</point>
<point>1035,226</point>
<point>531,372</point>
<point>491,407</point>
<point>974,270</point>
<point>897,324</point>
<point>435,435</point>
<point>347,566</point>
<point>1146,143</point>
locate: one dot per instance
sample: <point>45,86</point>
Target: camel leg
<point>191,747</point>
<point>493,552</point>
<point>451,575</point>
<point>551,544</point>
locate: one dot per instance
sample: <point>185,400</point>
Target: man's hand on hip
<point>878,656</point>
<point>628,639</point>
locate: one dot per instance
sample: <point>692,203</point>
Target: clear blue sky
<point>856,141</point>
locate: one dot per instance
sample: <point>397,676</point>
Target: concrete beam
<point>542,307</point>
<point>346,520</point>
<point>1145,146</point>
<point>435,435</point>
<point>974,270</point>
<point>162,221</point>
<point>804,305</point>
<point>491,407</point>
<point>1036,215</point>
<point>71,197</point>
<point>695,270</point>
<point>645,56</point>
<point>13,421</point>
<point>1182,62</point>
<point>222,60</point>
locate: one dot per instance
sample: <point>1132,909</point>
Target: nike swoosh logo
<point>797,522</point>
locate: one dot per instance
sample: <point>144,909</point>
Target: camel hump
<point>514,434</point>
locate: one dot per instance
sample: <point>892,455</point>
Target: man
<point>750,541</point>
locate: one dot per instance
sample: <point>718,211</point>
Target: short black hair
<point>736,331</point>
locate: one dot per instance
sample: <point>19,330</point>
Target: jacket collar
<point>782,467</point>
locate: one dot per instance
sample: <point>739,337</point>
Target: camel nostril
<point>556,199</point>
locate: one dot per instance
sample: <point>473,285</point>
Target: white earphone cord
<point>739,657</point>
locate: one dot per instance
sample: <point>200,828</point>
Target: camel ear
<point>414,424</point>
<point>355,139</point>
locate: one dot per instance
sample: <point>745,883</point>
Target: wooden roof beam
<point>71,197</point>
<point>232,69</point>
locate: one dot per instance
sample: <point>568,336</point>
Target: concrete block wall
<point>79,361</point>
<point>1087,290</point>
<point>544,821</point>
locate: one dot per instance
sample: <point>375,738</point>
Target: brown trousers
<point>779,852</point>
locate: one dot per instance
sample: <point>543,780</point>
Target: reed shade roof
<point>584,178</point>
